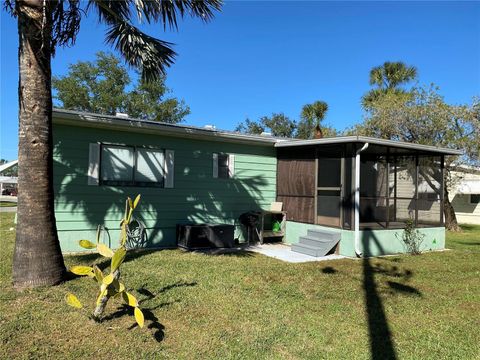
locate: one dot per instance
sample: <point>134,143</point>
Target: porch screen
<point>429,190</point>
<point>396,188</point>
<point>374,190</point>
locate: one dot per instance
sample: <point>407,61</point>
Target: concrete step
<point>313,241</point>
<point>315,246</point>
<point>306,249</point>
<point>324,234</point>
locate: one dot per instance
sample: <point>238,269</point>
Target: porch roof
<point>370,140</point>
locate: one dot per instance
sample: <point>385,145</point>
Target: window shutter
<point>215,165</point>
<point>169,168</point>
<point>93,164</point>
<point>231,165</point>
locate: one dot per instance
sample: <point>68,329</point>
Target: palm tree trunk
<point>37,259</point>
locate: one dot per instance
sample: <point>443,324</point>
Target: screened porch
<point>397,181</point>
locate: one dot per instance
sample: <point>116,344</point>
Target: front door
<point>329,191</point>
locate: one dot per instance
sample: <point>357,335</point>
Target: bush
<point>412,238</point>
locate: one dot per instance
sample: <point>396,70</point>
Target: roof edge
<point>371,140</point>
<point>85,119</point>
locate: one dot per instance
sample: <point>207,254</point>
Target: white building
<point>465,195</point>
<point>8,182</point>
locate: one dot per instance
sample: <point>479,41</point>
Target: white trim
<point>231,165</point>
<point>169,168</point>
<point>366,139</point>
<point>93,172</point>
<point>215,165</point>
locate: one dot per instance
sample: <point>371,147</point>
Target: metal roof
<point>8,165</point>
<point>77,118</point>
<point>370,140</point>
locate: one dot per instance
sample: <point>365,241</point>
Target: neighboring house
<point>197,175</point>
<point>8,184</point>
<point>465,195</point>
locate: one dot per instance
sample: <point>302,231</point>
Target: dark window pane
<point>223,172</point>
<point>328,208</point>
<point>329,172</point>
<point>474,198</point>
<point>222,160</point>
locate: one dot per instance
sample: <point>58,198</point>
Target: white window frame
<point>160,184</point>
<point>230,165</point>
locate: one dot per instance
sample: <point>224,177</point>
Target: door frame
<point>317,188</point>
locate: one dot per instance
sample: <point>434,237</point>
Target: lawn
<point>250,306</point>
<point>7,204</point>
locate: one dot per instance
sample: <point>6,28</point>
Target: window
<point>223,165</point>
<point>474,199</point>
<point>132,166</point>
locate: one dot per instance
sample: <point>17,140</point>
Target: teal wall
<point>372,242</point>
<point>196,195</point>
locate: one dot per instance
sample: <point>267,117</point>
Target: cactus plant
<point>110,284</point>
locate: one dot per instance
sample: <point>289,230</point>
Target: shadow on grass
<point>233,252</point>
<point>381,339</point>
<point>402,288</point>
<point>173,286</point>
<point>468,243</point>
<point>329,270</point>
<point>150,319</point>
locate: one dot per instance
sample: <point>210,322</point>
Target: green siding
<point>372,242</point>
<point>196,195</point>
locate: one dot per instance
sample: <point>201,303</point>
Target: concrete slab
<point>284,253</point>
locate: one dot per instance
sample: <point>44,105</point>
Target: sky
<point>256,58</point>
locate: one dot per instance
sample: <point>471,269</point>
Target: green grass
<point>7,204</point>
<point>250,306</point>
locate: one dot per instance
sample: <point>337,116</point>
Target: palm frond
<point>376,76</point>
<point>66,16</point>
<point>140,50</point>
<point>110,10</point>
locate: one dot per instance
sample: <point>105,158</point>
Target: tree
<point>311,117</point>
<point>278,123</point>
<point>281,125</point>
<point>42,26</point>
<point>100,87</point>
<point>388,79</point>
<point>250,127</point>
<point>425,118</point>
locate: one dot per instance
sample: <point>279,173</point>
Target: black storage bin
<point>204,236</point>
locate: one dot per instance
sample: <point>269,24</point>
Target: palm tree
<point>43,25</point>
<point>388,78</point>
<point>312,115</point>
